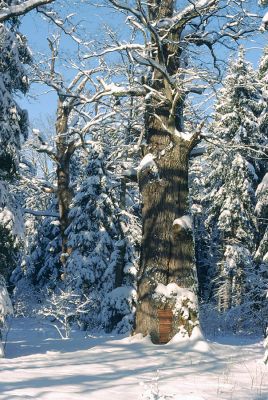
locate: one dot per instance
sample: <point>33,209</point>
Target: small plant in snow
<point>151,390</point>
<point>63,308</point>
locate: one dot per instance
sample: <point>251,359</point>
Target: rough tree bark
<point>167,248</point>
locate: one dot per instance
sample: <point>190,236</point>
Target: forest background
<point>71,250</point>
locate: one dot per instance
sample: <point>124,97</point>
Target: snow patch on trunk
<point>173,290</point>
<point>183,303</point>
<point>187,136</point>
<point>147,162</point>
<point>186,222</point>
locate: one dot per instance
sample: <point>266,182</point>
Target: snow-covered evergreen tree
<point>261,254</point>
<point>11,229</point>
<point>40,269</point>
<point>198,174</point>
<point>261,210</point>
<point>14,54</point>
<point>232,181</point>
<point>262,214</point>
<point>102,261</point>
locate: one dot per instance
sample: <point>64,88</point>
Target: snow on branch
<point>264,24</point>
<point>190,12</point>
<point>116,91</point>
<point>41,146</point>
<point>62,308</point>
<point>21,9</point>
<point>121,47</point>
<point>39,184</point>
<point>44,213</point>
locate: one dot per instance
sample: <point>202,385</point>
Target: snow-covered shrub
<point>62,309</point>
<point>151,390</point>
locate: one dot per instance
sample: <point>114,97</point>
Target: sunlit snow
<point>40,366</point>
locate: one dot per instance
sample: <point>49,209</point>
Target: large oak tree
<point>173,33</point>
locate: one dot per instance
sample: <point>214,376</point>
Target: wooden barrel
<point>165,318</point>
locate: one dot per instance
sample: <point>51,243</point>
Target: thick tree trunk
<point>167,248</point>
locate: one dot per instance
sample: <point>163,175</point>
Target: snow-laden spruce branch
<point>21,9</point>
<point>38,184</point>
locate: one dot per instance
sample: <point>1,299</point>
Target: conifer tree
<point>261,210</point>
<point>230,221</point>
<point>102,261</point>
<point>262,189</point>
<point>14,54</point>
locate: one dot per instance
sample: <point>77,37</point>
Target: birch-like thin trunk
<point>64,191</point>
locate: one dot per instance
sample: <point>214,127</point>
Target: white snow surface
<point>40,366</point>
<point>185,222</point>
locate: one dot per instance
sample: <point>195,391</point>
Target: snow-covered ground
<point>39,365</point>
